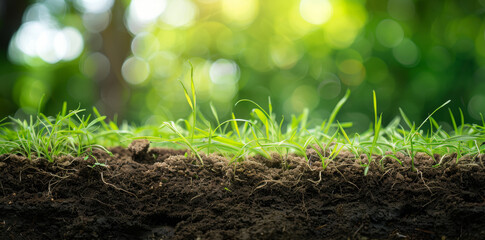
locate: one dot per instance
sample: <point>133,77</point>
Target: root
<point>280,182</point>
<point>200,195</point>
<point>319,179</point>
<point>49,189</point>
<point>115,187</point>
<point>380,179</point>
<point>103,203</point>
<point>422,179</point>
<point>349,182</point>
<point>303,205</point>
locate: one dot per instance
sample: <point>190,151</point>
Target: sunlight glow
<point>164,64</point>
<point>224,71</point>
<point>179,13</point>
<point>38,12</point>
<point>40,39</point>
<point>284,53</point>
<point>74,43</point>
<point>135,70</point>
<point>144,45</point>
<point>94,6</point>
<point>347,21</point>
<point>96,22</point>
<point>316,11</point>
<point>240,12</point>
<point>27,36</point>
<point>144,12</point>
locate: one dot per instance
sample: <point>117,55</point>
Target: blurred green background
<point>127,57</point>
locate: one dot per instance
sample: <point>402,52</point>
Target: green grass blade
<point>186,93</point>
<point>406,119</point>
<point>214,113</point>
<point>335,111</point>
<point>462,118</point>
<point>344,133</point>
<point>455,127</point>
<point>235,127</point>
<point>444,104</point>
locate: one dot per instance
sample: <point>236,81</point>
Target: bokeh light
<point>144,45</point>
<point>224,71</point>
<point>95,66</point>
<point>131,55</point>
<point>240,13</point>
<point>179,13</point>
<point>40,39</point>
<point>41,36</point>
<point>347,21</point>
<point>141,13</point>
<point>96,22</point>
<point>476,106</point>
<point>389,33</point>
<point>135,70</point>
<point>406,53</point>
<point>316,11</point>
<point>302,97</point>
<point>94,6</point>
<point>330,87</point>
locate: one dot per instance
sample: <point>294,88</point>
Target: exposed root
<point>280,182</point>
<point>422,179</point>
<point>386,172</point>
<point>319,179</point>
<point>199,195</point>
<point>115,187</point>
<point>102,203</point>
<point>349,182</point>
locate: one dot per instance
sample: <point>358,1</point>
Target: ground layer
<point>160,194</point>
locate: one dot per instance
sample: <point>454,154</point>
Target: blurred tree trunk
<point>114,91</point>
<point>11,13</point>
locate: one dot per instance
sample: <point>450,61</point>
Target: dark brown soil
<point>161,194</point>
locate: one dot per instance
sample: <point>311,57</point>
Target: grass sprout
<point>68,133</point>
<point>263,133</point>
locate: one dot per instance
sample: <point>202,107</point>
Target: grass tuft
<point>74,133</point>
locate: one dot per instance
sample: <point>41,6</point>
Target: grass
<point>71,133</point>
<point>264,134</point>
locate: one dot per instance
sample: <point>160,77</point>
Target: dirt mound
<point>162,194</point>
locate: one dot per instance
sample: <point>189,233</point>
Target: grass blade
<point>335,111</point>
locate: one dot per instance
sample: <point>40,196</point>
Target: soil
<point>144,193</point>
